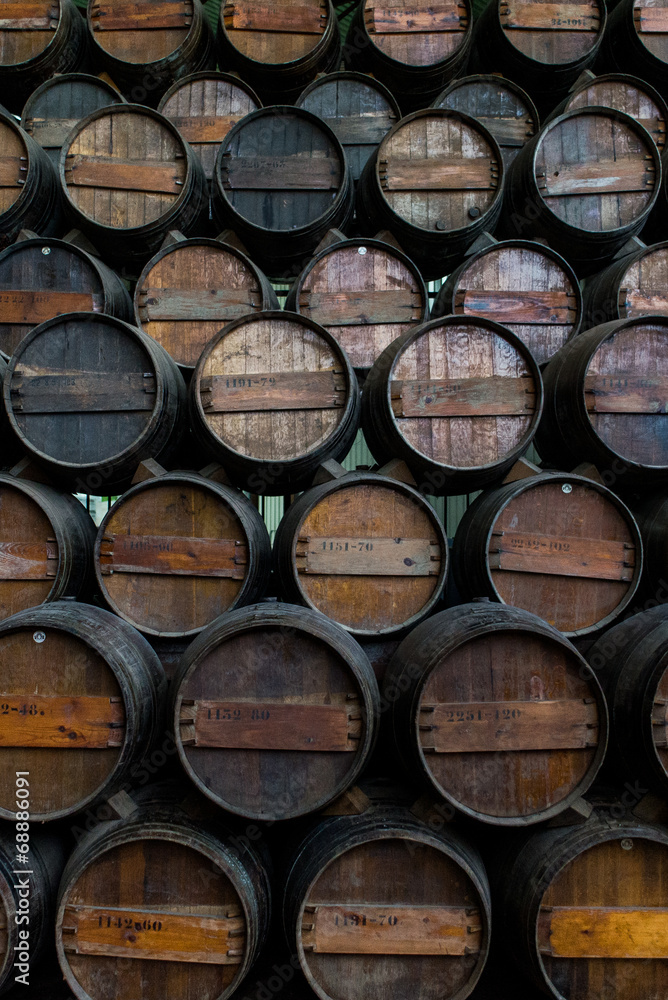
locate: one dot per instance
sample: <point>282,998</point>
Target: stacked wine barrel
<point>334,498</point>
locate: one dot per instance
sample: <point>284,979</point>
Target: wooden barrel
<point>191,289</point>
<point>495,711</point>
<point>204,106</point>
<point>175,552</point>
<point>281,49</point>
<point>37,40</point>
<point>129,178</point>
<point>41,278</point>
<point>525,286</point>
<point>582,910</point>
<point>198,912</point>
<point>273,396</point>
<point>275,711</point>
<point>651,513</point>
<point>53,110</point>
<point>458,399</point>
<point>81,696</point>
<point>365,292</point>
<point>416,50</point>
<point>46,545</point>
<point>29,192</point>
<point>436,183</point>
<point>635,284</point>
<point>637,42</point>
<point>560,546</point>
<point>541,46</point>
<point>366,550</point>
<point>605,402</point>
<point>359,110</point>
<point>378,900</point>
<point>281,182</point>
<point>145,45</point>
<point>90,397</point>
<point>499,104</point>
<point>586,183</point>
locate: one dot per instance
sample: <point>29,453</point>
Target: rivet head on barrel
<point>39,636</point>
<point>441,226</point>
<point>361,250</point>
<point>474,212</point>
<point>626,844</point>
<point>567,488</point>
<point>46,251</point>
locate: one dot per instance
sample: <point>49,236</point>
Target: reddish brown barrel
<point>29,193</point>
<point>458,399</point>
<point>636,284</point>
<point>637,41</point>
<point>560,546</point>
<point>495,711</point>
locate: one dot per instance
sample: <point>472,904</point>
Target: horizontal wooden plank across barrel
<point>129,178</point>
<point>416,50</point>
<point>42,277</point>
<point>273,396</point>
<point>91,397</point>
<point>204,106</point>
<point>365,292</point>
<point>586,183</point>
<point>175,552</point>
<point>458,399</point>
<point>161,903</point>
<point>46,545</point>
<point>637,41</point>
<point>366,550</point>
<point>525,286</point>
<point>37,40</point>
<point>275,711</point>
<point>560,546</point>
<point>497,712</point>
<point>582,909</point>
<point>191,289</point>
<point>436,183</point>
<point>29,192</point>
<point>635,284</point>
<point>53,110</point>
<point>145,45</point>
<point>381,904</point>
<point>501,105</point>
<point>80,698</point>
<point>606,402</point>
<point>281,182</point>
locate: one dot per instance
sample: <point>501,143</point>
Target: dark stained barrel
<point>198,913</point>
<point>281,182</point>
<point>81,697</point>
<point>144,45</point>
<point>458,399</point>
<point>41,278</point>
<point>525,286</point>
<point>436,183</point>
<point>605,402</point>
<point>275,711</point>
<point>279,48</point>
<point>651,513</point>
<point>90,397</point>
<point>29,192</point>
<point>53,110</point>
<point>495,711</point>
<point>204,106</point>
<point>582,909</point>
<point>273,397</point>
<point>37,40</point>
<point>561,546</point>
<point>381,904</point>
<point>188,291</point>
<point>586,183</point>
<point>175,552</point>
<point>366,550</point>
<point>499,104</point>
<point>635,284</point>
<point>416,50</point>
<point>359,110</point>
<point>46,545</point>
<point>10,445</point>
<point>637,42</point>
<point>129,178</point>
<point>365,292</point>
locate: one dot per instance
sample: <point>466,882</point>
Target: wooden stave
<point>602,291</point>
<point>136,668</point>
<point>160,439</point>
<point>287,533</point>
<point>385,442</point>
<point>39,205</point>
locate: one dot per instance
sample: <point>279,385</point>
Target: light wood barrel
<point>634,285</point>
